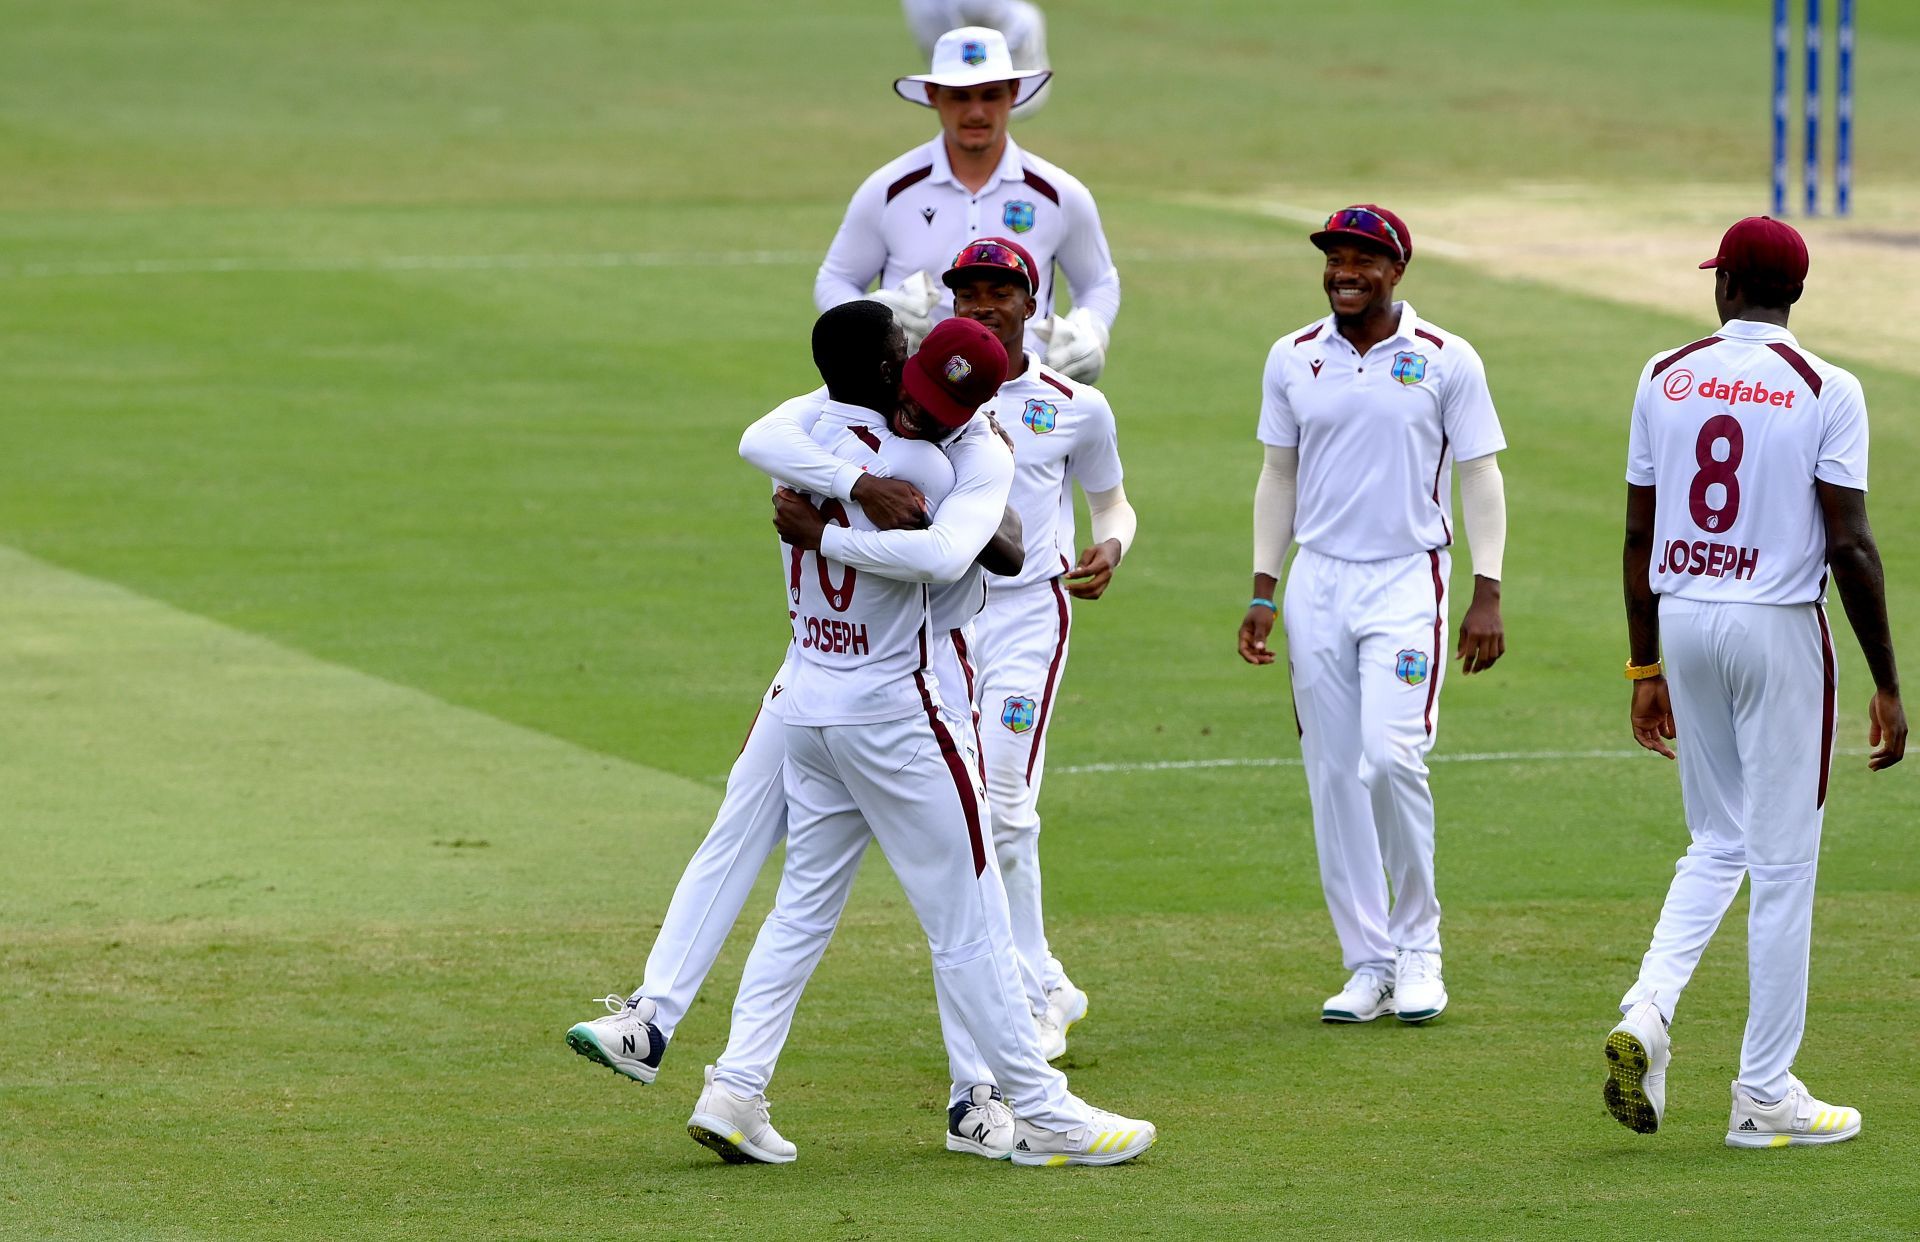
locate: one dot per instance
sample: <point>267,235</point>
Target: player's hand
<point>798,522</point>
<point>1483,638</point>
<point>1652,715</point>
<point>1886,729</point>
<point>1255,628</point>
<point>891,504</point>
<point>1089,579</point>
<point>1000,431</point>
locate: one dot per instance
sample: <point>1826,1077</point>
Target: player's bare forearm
<point>1854,558</point>
<point>1257,626</point>
<point>1005,553</point>
<point>1483,635</point>
<point>1636,562</point>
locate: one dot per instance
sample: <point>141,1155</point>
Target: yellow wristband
<point>1640,672</point>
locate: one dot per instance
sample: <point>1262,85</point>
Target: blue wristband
<point>1260,602</point>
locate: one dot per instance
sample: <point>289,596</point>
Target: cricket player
<point>1023,24</point>
<point>870,755</point>
<point>860,352</point>
<point>1365,413</point>
<point>906,220</point>
<point>1063,433</point>
<point>1746,485</point>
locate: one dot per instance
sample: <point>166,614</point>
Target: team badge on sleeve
<point>1411,667</point>
<point>1017,216</point>
<point>1409,368</point>
<point>1040,416</point>
<point>1017,714</point>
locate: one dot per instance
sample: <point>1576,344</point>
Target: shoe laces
<point>619,1004</point>
<point>1419,966</point>
<point>1365,981</point>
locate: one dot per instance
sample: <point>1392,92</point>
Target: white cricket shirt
<point>859,638</point>
<point>1732,431</point>
<point>913,215</point>
<point>1063,433</point>
<point>1378,435</point>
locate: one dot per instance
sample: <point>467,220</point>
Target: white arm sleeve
<point>962,524</point>
<point>1112,516</point>
<point>1483,507</point>
<point>778,446</point>
<point>1273,501</point>
<point>859,249</point>
<point>1085,257</point>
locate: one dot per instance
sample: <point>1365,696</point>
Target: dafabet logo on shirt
<point>1680,385</point>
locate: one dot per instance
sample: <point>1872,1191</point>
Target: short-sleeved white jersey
<point>1732,431</point>
<point>1063,432</point>
<point>913,215</point>
<point>1378,435</point>
<point>859,638</point>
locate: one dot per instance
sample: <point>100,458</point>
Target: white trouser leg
<point>1322,658</point>
<point>1020,649</point>
<point>720,876</point>
<point>1401,620</point>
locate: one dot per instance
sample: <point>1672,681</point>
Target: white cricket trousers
<point>1366,648</point>
<point>908,785</point>
<point>1753,689</point>
<point>1020,655</point>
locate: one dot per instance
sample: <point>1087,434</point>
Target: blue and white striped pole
<point>1780,40</point>
<point>1843,106</point>
<point>1812,105</point>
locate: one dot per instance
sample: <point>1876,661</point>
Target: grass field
<point>381,601</point>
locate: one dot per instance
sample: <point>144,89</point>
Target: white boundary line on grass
<point>1487,756</point>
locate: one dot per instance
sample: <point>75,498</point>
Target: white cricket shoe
<point>1107,1139</point>
<point>1053,1040</point>
<point>1796,1120</point>
<point>1637,1053</point>
<point>1066,1005</point>
<point>1367,996</point>
<point>625,1041</point>
<point>1418,994</point>
<point>980,1124</point>
<point>736,1127</point>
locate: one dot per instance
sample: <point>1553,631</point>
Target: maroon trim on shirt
<point>1041,184</point>
<point>1680,353</point>
<point>1309,334</point>
<point>1829,687</point>
<point>957,767</point>
<point>908,182</point>
<point>1048,379</point>
<point>926,620</point>
<point>1053,677</point>
<point>1425,335</point>
<point>1439,620</point>
<point>1798,363</point>
<point>1437,467</point>
<point>866,437</point>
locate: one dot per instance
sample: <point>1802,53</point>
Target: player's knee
<point>801,926</point>
<point>1387,759</point>
<point>1759,874</point>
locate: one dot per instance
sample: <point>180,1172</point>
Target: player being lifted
<point>1747,482</point>
<point>1364,414</point>
<point>907,219</point>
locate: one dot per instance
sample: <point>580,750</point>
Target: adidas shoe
<point>1066,1005</point>
<point>1367,996</point>
<point>1419,995</point>
<point>980,1124</point>
<point>1796,1120</point>
<point>625,1041</point>
<point>737,1128</point>
<point>1637,1052</point>
<point>1107,1139</point>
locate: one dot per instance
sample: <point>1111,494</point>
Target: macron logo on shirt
<point>1680,385</point>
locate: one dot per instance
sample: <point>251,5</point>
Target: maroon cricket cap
<point>992,255</point>
<point>1763,246</point>
<point>1368,222</point>
<point>957,370</point>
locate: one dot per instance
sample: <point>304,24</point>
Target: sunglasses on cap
<point>992,254</point>
<point>1368,224</point>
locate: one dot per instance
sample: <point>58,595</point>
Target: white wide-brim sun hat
<point>972,56</point>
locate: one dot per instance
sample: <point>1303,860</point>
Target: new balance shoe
<point>1053,1040</point>
<point>1367,996</point>
<point>736,1127</point>
<point>625,1041</point>
<point>1637,1053</point>
<point>980,1124</point>
<point>1066,1005</point>
<point>1107,1139</point>
<point>1797,1120</point>
<point>1418,993</point>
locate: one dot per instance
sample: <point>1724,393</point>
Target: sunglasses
<point>1369,224</point>
<point>992,254</point>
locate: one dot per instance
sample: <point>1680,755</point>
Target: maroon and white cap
<point>1764,247</point>
<point>957,370</point>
